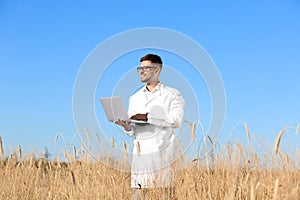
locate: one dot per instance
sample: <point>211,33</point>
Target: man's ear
<point>158,70</point>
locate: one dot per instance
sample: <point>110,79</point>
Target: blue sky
<point>254,44</point>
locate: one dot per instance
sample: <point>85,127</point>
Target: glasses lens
<point>142,68</point>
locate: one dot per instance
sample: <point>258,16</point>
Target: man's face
<point>150,74</point>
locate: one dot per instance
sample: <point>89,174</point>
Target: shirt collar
<point>157,88</point>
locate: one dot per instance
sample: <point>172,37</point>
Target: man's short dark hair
<point>153,58</point>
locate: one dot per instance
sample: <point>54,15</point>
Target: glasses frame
<point>145,68</point>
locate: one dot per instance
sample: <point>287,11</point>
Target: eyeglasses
<point>145,68</point>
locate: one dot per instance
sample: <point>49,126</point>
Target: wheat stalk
<point>278,141</point>
<point>98,137</point>
<point>73,179</point>
<point>297,129</point>
<point>87,135</point>
<point>252,192</point>
<point>210,140</point>
<point>80,150</point>
<point>113,142</point>
<point>1,148</point>
<point>257,185</point>
<point>193,131</point>
<point>56,137</point>
<point>75,153</point>
<point>65,154</point>
<point>276,189</point>
<point>138,148</point>
<point>20,151</point>
<point>125,147</point>
<point>247,130</point>
<point>192,126</point>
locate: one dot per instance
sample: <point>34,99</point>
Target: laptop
<point>114,109</point>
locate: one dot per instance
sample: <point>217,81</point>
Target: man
<point>161,108</point>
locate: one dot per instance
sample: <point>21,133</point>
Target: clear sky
<point>255,46</point>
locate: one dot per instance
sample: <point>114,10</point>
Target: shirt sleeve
<point>173,118</point>
<point>131,132</point>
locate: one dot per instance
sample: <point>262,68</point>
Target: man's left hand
<point>141,117</point>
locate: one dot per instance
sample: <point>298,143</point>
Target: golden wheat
<point>247,131</point>
<point>138,148</point>
<point>278,141</point>
<point>56,137</point>
<point>125,147</point>
<point>113,142</point>
<point>87,135</point>
<point>1,148</point>
<point>276,189</point>
<point>234,174</point>
<point>82,179</point>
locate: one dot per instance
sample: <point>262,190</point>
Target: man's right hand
<point>124,124</point>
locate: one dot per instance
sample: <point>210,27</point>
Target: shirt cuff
<point>131,132</point>
<point>154,121</point>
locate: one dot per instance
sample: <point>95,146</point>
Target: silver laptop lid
<point>114,108</point>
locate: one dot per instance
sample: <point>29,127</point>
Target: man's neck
<point>151,86</point>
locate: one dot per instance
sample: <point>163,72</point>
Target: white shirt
<point>154,144</point>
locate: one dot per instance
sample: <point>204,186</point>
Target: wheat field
<point>235,173</point>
